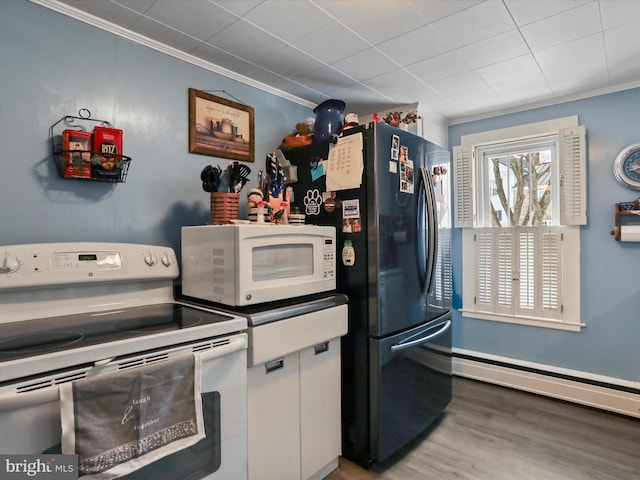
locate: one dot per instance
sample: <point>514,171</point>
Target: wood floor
<point>495,433</point>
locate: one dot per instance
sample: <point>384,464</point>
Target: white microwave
<point>241,265</point>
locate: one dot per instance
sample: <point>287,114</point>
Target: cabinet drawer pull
<point>321,348</point>
<point>273,365</point>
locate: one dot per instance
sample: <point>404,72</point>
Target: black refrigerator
<point>393,225</point>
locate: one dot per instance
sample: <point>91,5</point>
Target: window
<point>520,198</point>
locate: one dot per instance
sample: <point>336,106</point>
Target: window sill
<point>529,321</point>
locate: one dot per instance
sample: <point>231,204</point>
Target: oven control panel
<point>35,265</point>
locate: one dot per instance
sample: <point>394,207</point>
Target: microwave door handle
<point>418,341</point>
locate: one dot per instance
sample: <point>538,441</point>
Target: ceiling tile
<point>526,89</point>
<point>616,13</point>
<point>433,10</point>
<point>198,18</point>
<point>139,6</point>
<point>467,84</point>
<point>163,34</point>
<point>248,43</point>
<point>109,11</point>
<point>479,22</point>
<point>570,55</point>
<point>495,49</point>
<point>327,79</point>
<point>365,64</point>
<point>333,43</point>
<point>529,11</point>
<point>383,21</point>
<point>442,66</point>
<point>282,18</point>
<point>621,49</point>
<point>564,84</point>
<point>415,46</point>
<point>564,27</point>
<point>338,9</point>
<point>393,82</point>
<point>290,62</point>
<point>237,7</point>
<point>512,69</point>
<point>219,57</point>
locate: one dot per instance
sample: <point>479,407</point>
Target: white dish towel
<point>119,422</point>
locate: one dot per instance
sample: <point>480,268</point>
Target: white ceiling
<point>458,58</point>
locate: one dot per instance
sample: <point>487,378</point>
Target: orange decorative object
<point>294,140</point>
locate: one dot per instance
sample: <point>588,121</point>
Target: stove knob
<point>166,260</point>
<point>150,259</point>
<point>9,264</point>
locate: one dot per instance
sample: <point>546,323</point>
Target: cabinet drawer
<point>277,339</point>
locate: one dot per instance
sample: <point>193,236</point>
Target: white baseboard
<point>597,396</point>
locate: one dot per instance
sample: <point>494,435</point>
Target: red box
<point>107,144</point>
<point>78,164</point>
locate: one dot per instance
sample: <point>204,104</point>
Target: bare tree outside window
<point>520,189</point>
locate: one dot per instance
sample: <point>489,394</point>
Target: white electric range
<point>70,311</point>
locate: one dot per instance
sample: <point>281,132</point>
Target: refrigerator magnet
<point>312,201</point>
<point>329,200</point>
<point>404,154</point>
<point>406,176</point>
<point>395,147</point>
<point>348,254</point>
<point>393,166</point>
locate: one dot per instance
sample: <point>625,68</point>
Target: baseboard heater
<point>595,391</point>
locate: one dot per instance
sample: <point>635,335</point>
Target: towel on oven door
<point>119,422</point>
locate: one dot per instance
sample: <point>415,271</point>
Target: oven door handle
<point>18,401</point>
<point>51,393</point>
<point>238,342</point>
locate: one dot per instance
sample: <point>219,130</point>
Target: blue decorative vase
<point>328,122</point>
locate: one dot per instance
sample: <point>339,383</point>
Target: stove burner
<point>35,342</point>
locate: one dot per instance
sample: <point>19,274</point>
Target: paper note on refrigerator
<point>345,164</point>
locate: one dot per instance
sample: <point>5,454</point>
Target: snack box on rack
<point>107,146</point>
<point>76,165</point>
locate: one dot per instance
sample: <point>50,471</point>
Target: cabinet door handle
<point>321,348</point>
<point>273,365</point>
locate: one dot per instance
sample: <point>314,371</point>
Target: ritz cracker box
<point>107,150</point>
<point>76,145</point>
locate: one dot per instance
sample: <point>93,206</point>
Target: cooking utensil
<point>238,176</point>
<point>210,177</point>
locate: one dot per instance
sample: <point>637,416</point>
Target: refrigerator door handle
<point>418,341</point>
<point>434,232</point>
<point>430,260</point>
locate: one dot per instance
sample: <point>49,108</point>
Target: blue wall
<point>610,270</point>
<point>52,66</point>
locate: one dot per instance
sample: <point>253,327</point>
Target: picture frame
<point>220,127</point>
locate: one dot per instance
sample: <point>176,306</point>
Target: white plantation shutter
<point>484,270</point>
<point>573,185</point>
<point>518,271</point>
<point>462,197</point>
<point>526,269</point>
<point>504,253</point>
<point>551,245</point>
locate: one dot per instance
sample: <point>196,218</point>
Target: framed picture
<point>220,127</point>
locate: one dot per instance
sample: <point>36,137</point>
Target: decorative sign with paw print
<point>312,202</point>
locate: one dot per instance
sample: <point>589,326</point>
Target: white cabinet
<point>274,420</point>
<point>320,420</point>
<point>294,423</point>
